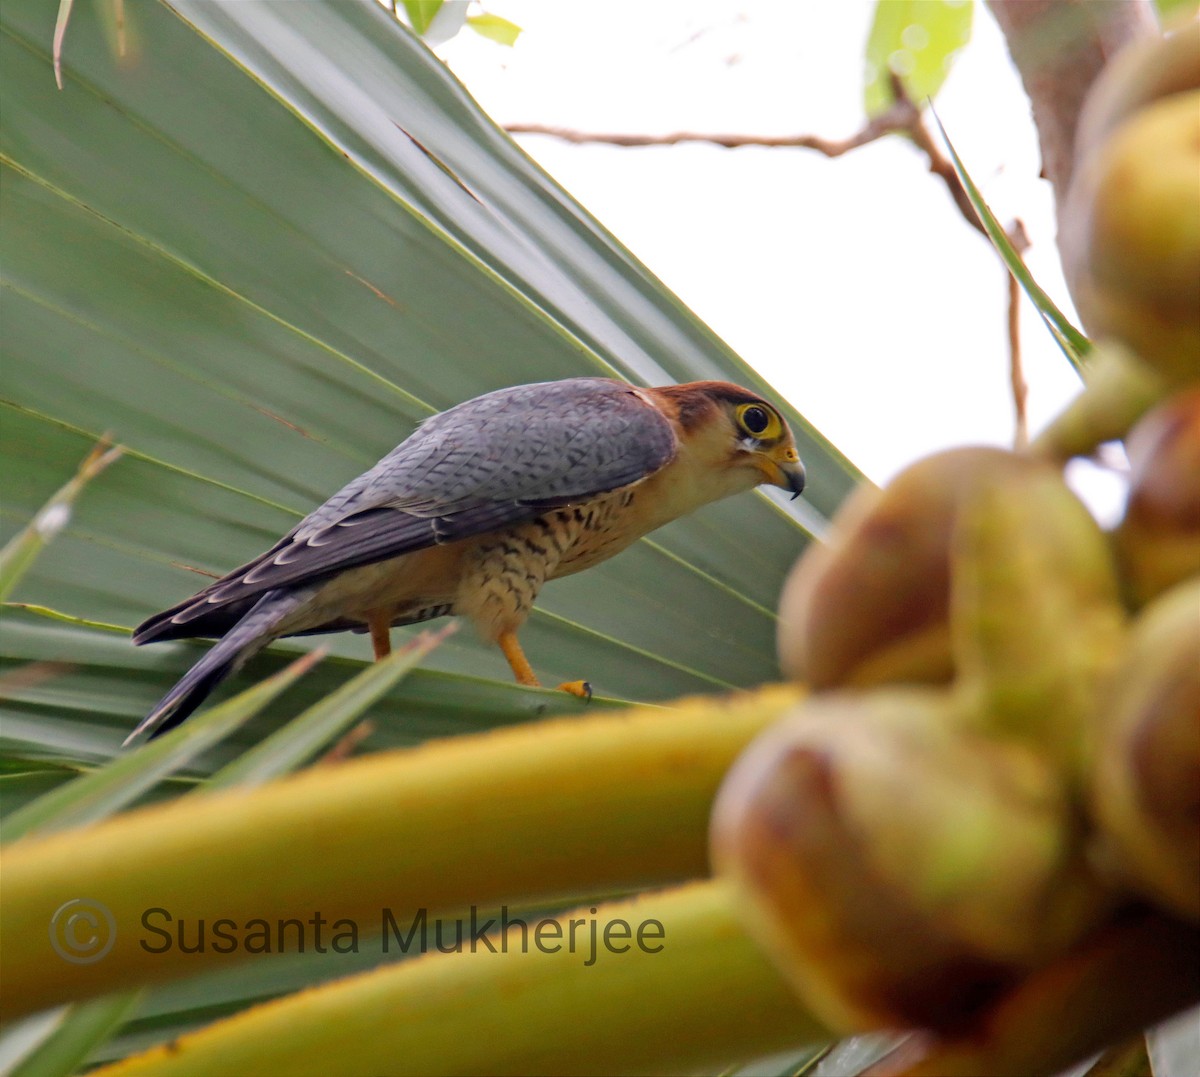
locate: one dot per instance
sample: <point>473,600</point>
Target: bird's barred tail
<point>249,636</point>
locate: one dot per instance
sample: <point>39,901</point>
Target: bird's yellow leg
<point>381,634</point>
<point>523,671</point>
<point>521,668</point>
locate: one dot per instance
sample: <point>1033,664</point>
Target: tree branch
<point>1020,389</point>
<point>903,117</point>
<point>900,117</point>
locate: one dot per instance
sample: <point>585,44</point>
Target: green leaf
<point>20,789</point>
<point>309,732</point>
<point>495,28</point>
<point>70,1036</point>
<point>385,252</point>
<point>917,40</point>
<point>421,13</point>
<point>96,795</point>
<point>1075,346</point>
<point>65,618</point>
<point>22,549</point>
<point>1171,10</point>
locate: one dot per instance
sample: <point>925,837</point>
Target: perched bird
<point>476,510</point>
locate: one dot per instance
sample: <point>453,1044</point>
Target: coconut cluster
<point>1000,755</point>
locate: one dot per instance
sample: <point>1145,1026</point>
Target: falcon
<point>475,511</point>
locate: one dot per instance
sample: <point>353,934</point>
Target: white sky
<point>853,285</point>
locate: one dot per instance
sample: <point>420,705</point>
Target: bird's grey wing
<point>529,443</point>
<point>491,462</point>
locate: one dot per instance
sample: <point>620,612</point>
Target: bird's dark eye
<point>755,420</point>
<point>758,421</point>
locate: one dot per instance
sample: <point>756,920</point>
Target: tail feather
<point>249,636</point>
<point>203,622</point>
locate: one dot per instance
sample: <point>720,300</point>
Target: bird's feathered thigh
<point>393,537</point>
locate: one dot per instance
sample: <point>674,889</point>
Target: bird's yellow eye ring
<point>759,421</point>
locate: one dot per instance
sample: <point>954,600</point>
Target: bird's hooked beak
<point>782,467</point>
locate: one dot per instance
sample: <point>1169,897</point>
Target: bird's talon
<point>579,689</point>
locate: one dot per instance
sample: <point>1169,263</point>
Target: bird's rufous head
<point>758,435</point>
